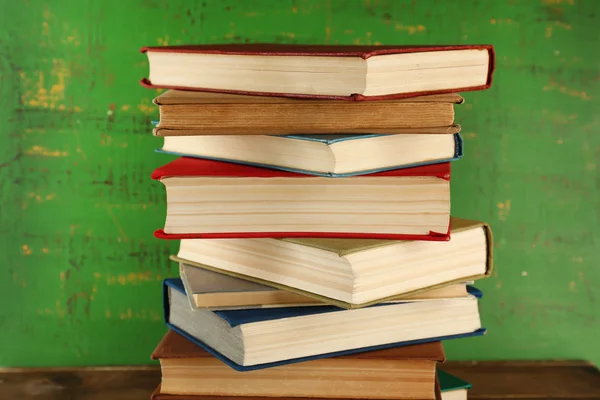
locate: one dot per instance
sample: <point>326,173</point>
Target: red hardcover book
<point>214,199</point>
<point>307,71</point>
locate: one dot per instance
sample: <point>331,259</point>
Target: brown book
<point>184,113</point>
<point>397,373</point>
<point>157,395</point>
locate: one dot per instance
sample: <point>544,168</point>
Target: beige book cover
<point>347,246</point>
<point>183,113</point>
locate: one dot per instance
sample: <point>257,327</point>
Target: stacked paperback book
<point>311,198</point>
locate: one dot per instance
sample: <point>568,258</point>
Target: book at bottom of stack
<point>189,372</point>
<point>246,323</point>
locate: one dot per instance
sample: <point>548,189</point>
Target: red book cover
<point>190,167</point>
<point>363,52</point>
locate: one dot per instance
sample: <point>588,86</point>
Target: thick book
<point>206,288</point>
<point>399,373</point>
<point>158,395</point>
<point>263,338</point>
<point>349,273</point>
<point>184,113</point>
<point>333,72</point>
<point>322,155</point>
<point>452,387</point>
<point>213,199</point>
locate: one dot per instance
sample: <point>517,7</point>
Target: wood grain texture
<point>529,380</point>
<point>81,270</point>
<point>563,380</point>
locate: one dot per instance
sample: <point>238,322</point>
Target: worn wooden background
<point>81,270</point>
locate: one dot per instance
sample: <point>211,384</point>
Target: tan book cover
<point>157,395</point>
<point>174,345</point>
<point>216,291</point>
<point>348,246</point>
<point>185,113</point>
<point>210,289</point>
<point>403,370</point>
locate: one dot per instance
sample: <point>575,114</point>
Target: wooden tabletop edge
<point>449,364</point>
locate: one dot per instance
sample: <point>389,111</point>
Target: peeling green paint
<point>82,271</point>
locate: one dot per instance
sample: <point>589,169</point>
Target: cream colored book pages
<point>340,76</point>
<point>314,264</point>
<point>339,157</point>
<point>274,340</point>
<point>460,394</point>
<point>225,292</point>
<point>343,247</point>
<point>377,75</point>
<point>301,205</point>
<point>455,69</point>
<point>436,292</point>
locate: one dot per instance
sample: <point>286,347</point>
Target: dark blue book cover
<point>331,139</point>
<point>238,317</point>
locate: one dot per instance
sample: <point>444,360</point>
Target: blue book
<point>261,338</point>
<point>322,155</point>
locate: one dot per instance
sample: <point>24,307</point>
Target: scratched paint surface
<point>81,271</point>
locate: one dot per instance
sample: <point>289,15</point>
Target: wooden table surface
<point>491,380</point>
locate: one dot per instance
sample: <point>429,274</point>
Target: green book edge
<point>450,382</point>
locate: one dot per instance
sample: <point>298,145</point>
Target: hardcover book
<point>400,373</point>
<point>322,155</point>
<point>157,395</point>
<point>208,289</point>
<point>212,199</point>
<point>184,113</point>
<point>216,291</point>
<point>334,72</point>
<point>452,387</point>
<point>349,273</point>
<point>263,338</point>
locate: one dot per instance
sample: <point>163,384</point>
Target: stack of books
<point>318,257</point>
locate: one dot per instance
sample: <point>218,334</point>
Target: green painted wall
<point>81,270</point>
